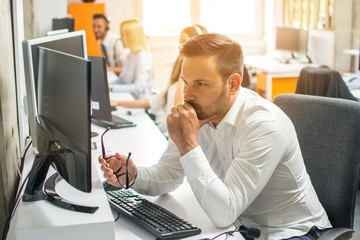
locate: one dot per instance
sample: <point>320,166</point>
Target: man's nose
<point>188,93</point>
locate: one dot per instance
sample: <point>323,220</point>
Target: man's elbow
<point>220,223</point>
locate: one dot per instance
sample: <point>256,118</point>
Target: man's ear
<point>234,83</point>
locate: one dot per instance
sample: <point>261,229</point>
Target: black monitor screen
<point>73,45</point>
<point>100,101</point>
<point>64,112</point>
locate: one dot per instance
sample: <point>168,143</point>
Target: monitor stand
<point>36,181</point>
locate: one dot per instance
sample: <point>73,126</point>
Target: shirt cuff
<point>140,184</point>
<point>194,163</point>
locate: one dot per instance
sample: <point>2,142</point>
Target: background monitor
<point>64,86</point>
<point>100,101</point>
<point>73,43</point>
<point>63,23</point>
<point>292,40</point>
<point>321,47</point>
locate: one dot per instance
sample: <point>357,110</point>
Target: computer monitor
<point>64,122</point>
<point>100,99</point>
<point>292,41</point>
<point>321,47</point>
<point>73,43</point>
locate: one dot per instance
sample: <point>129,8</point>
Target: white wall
<point>343,34</point>
<point>45,11</point>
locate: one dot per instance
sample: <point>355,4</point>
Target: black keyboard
<point>117,122</point>
<point>151,217</point>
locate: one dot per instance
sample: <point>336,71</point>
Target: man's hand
<point>112,164</point>
<point>183,127</point>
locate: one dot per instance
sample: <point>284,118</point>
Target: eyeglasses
<point>129,179</point>
<point>250,233</point>
<point>227,235</point>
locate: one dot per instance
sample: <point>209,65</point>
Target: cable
<point>17,198</point>
<point>118,216</point>
<point>13,209</point>
<point>28,142</point>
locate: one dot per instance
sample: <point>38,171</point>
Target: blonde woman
<point>161,103</point>
<point>137,74</point>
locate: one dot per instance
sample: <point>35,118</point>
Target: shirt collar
<point>107,38</point>
<point>232,114</point>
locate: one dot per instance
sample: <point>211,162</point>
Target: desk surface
<point>272,65</point>
<point>147,144</point>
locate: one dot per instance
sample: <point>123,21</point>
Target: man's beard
<point>210,110</point>
<point>101,36</point>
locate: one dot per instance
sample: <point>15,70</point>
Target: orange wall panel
<point>83,14</point>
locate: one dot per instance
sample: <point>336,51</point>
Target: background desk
<point>274,77</point>
<point>41,220</point>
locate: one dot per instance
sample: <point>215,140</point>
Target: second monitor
<point>100,100</point>
<point>293,42</point>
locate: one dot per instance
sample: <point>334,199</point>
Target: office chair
<point>246,78</point>
<point>322,81</point>
<point>328,131</point>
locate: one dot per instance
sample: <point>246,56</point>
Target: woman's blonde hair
<point>191,31</point>
<point>133,35</point>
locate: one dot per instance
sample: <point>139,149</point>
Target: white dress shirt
<point>159,109</point>
<point>136,76</point>
<point>115,52</point>
<point>248,171</point>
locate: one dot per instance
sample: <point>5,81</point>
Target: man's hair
<point>100,15</point>
<point>228,53</point>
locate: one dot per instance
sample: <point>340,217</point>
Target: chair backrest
<point>322,81</point>
<point>246,78</point>
<point>328,131</point>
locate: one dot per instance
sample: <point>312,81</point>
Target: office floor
<point>357,217</point>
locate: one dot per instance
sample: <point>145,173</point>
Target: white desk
<point>40,220</point>
<point>36,220</point>
<point>355,54</point>
<point>273,76</point>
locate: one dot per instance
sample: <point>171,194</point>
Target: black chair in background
<point>322,81</point>
<point>246,78</point>
<point>328,131</point>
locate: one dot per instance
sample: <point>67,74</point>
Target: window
<point>311,14</point>
<point>164,17</point>
<point>168,17</point>
<point>228,16</point>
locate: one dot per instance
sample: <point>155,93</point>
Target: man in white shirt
<point>111,45</point>
<point>238,151</point>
